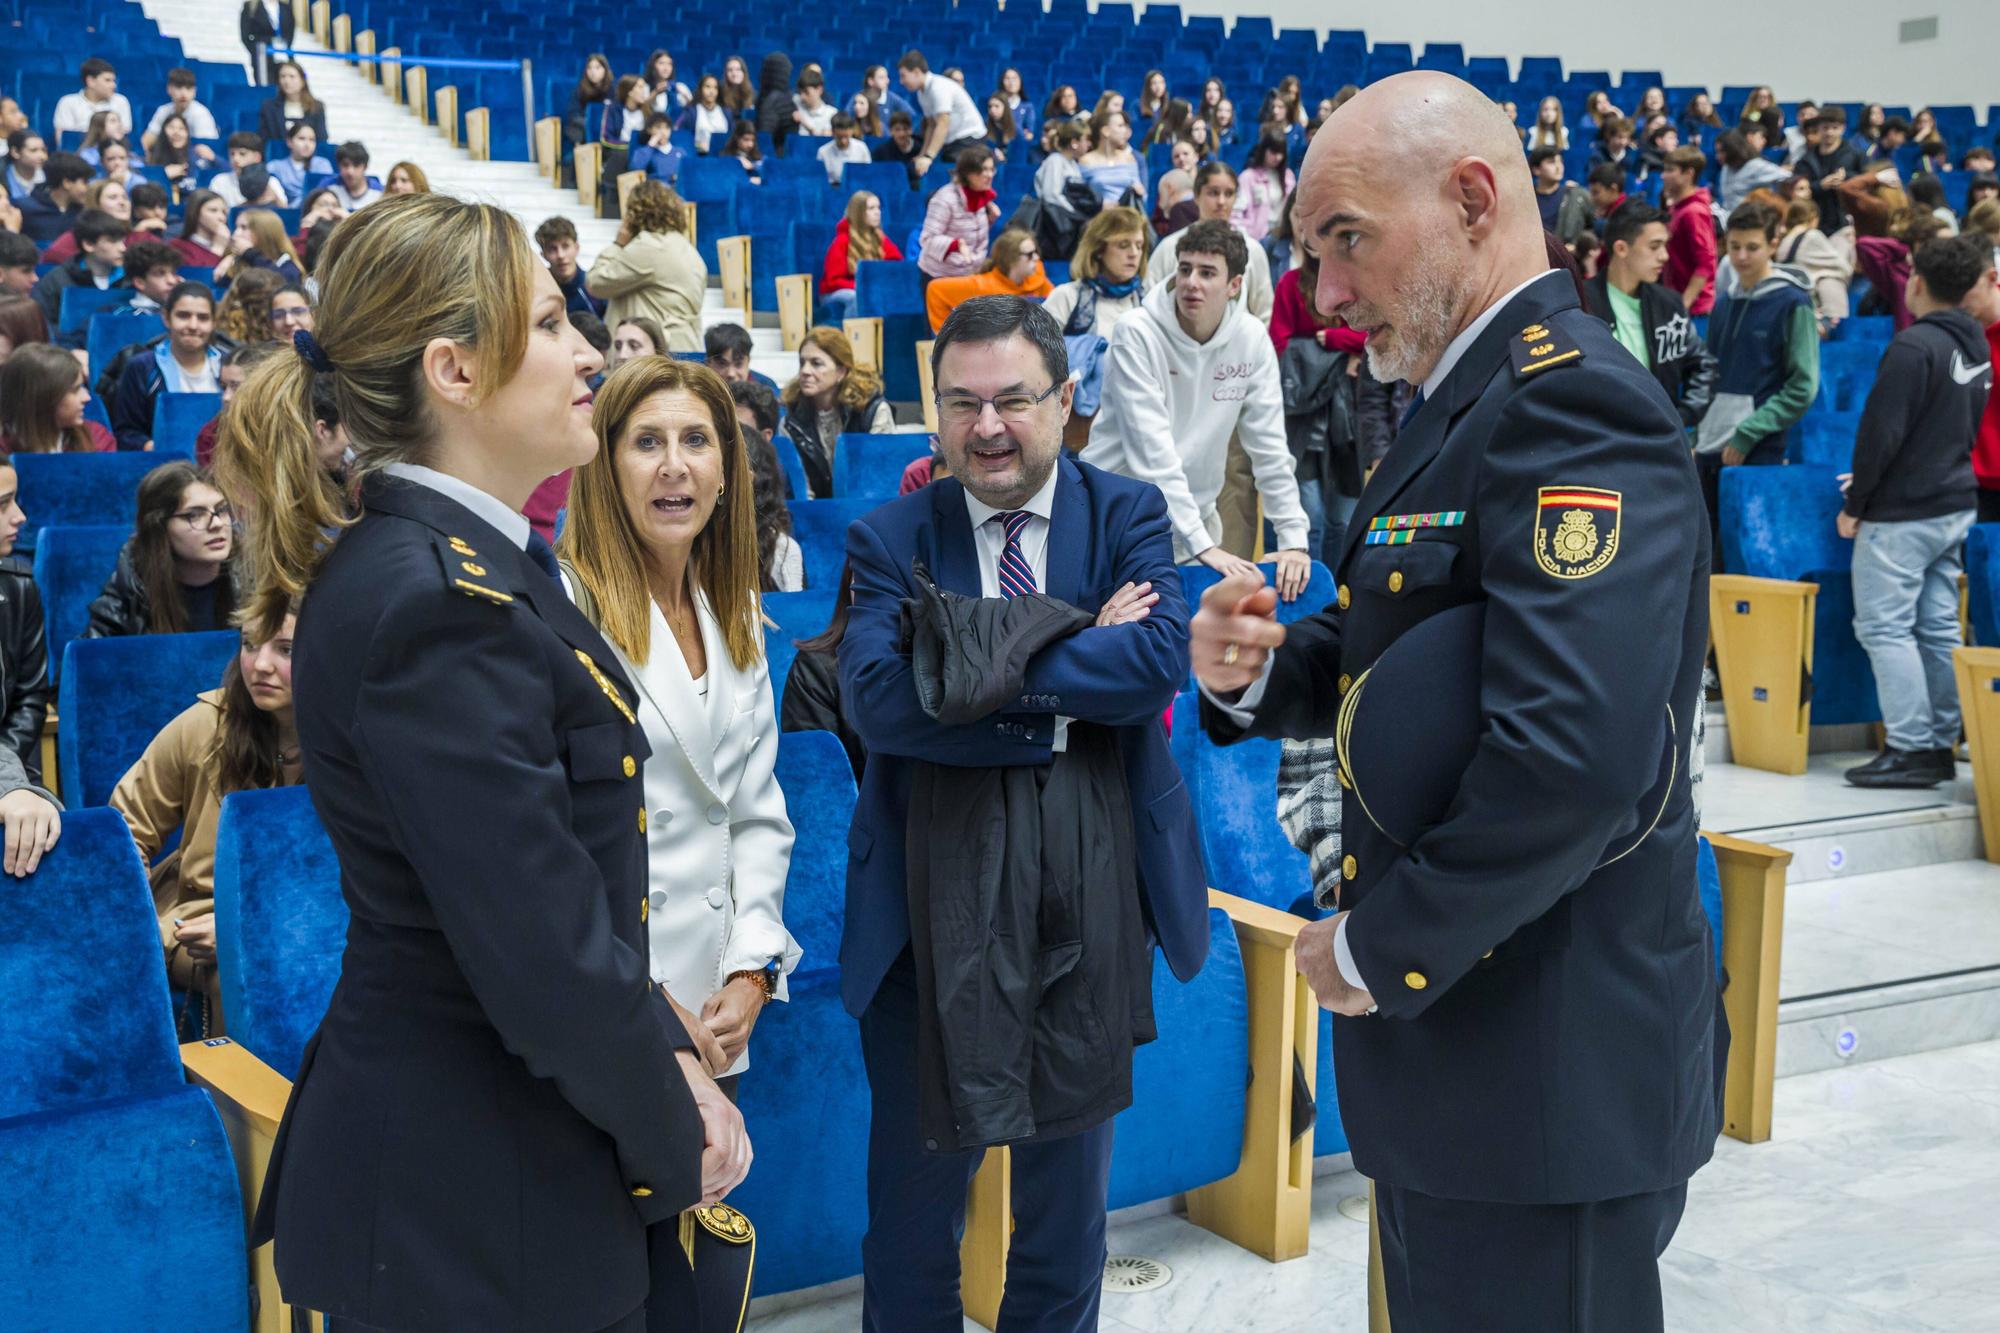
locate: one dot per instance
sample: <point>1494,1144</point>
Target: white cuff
<point>1244,709</point>
<point>1343,958</point>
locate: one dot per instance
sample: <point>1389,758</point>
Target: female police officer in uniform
<point>498,1101</point>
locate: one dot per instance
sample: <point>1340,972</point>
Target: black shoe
<point>1898,768</point>
<point>1944,763</point>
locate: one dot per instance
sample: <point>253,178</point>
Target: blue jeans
<point>1906,616</point>
<point>1327,512</point>
<point>835,307</point>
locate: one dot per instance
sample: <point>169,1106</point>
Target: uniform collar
<point>1456,349</point>
<point>505,521</point>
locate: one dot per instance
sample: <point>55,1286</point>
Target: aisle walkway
<point>1871,1210</point>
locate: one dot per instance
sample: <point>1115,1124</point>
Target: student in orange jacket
<point>1014,268</point>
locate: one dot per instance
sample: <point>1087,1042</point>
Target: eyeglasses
<point>201,518</point>
<point>961,408</point>
<point>290,314</point>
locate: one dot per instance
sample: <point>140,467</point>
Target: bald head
<point>1417,201</point>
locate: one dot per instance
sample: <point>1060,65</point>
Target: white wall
<point>1842,49</point>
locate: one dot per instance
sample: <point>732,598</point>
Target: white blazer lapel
<point>721,672</point>
<point>665,682</point>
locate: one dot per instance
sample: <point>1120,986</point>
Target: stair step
<point>1882,1022</point>
<point>1835,831</point>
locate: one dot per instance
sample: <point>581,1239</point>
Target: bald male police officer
<point>1526,1051</point>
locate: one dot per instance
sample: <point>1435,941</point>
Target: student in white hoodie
<point>1183,374</point>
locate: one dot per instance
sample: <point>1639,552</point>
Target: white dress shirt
<point>505,521</point>
<point>1241,711</point>
<point>989,539</point>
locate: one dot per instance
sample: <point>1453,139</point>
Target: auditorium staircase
<point>1891,938</point>
<point>358,109</point>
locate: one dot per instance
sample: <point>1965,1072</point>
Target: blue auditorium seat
<point>1778,523</point>
<point>179,417</point>
<point>116,694</point>
<point>820,526</point>
<point>796,615</point>
<point>111,332</point>
<point>1708,879</point>
<point>1197,579</point>
<point>887,181</point>
<point>894,292</point>
<point>71,566</point>
<point>790,464</point>
<point>280,922</point>
<point>1235,793</point>
<point>84,490</point>
<point>80,303</point>
<point>1826,439</point>
<point>123,1209</point>
<point>1982,581</point>
<point>870,467</point>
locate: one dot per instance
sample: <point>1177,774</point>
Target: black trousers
<point>916,1203</point>
<point>1525,1268</point>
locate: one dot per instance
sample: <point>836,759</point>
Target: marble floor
<point>1748,800</point>
<point>1875,1208</point>
<point>1866,930</point>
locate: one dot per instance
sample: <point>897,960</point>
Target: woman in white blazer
<point>660,551</point>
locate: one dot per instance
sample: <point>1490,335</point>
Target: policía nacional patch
<point>1576,529</point>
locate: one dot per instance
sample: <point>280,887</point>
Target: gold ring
<point>1229,655</point>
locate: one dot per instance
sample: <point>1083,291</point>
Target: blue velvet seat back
<point>123,1209</point>
<point>790,465</point>
<point>116,694</point>
<point>888,287</point>
<point>870,467</point>
<point>1982,577</point>
<point>819,796</point>
<point>280,922</point>
<point>71,566</point>
<point>84,490</point>
<point>820,526</point>
<point>1843,678</point>
<point>1826,439</point>
<point>799,615</point>
<point>1319,591</point>
<point>1190,1087</point>
<point>1235,793</point>
<point>1709,878</point>
<point>179,417</point>
<point>112,330</point>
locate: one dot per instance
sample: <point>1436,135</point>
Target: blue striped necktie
<point>1017,576</point>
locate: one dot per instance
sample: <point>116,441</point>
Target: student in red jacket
<point>1691,248</point>
<point>859,236</point>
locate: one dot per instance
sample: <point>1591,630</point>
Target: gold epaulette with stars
<point>464,572</point>
<point>1538,347</point>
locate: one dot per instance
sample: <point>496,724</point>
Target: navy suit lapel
<point>1069,535</point>
<point>1419,444</point>
<point>957,568</point>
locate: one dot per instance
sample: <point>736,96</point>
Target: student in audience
<point>726,350</point>
<point>1614,145</point>
<point>265,25</point>
<point>1765,337</point>
<point>743,147</point>
<point>302,160</point>
<point>1744,168</point>
<point>1926,191</point>
<point>1829,161</point>
<point>1981,219</point>
<point>811,697</point>
<point>706,117</point>
<point>406,178</point>
<point>185,361</point>
<point>1105,286</point>
<point>1012,92</point>
<point>831,397</point>
<point>902,145</point>
<point>633,337</point>
<point>259,241</point>
<point>1063,105</point>
<point>200,122</point>
<point>1059,170</point>
<point>594,87</point>
<point>1565,205</point>
<point>1261,191</point>
<point>151,269</point>
<point>205,233</point>
<point>42,397</point>
<point>1182,377</point>
<point>248,180</point>
<point>237,363</point>
<point>775,103</point>
<point>1868,128</point>
<point>239,737</point>
<point>592,330</point>
<point>178,572</point>
<point>1606,186</point>
<point>99,259</point>
<point>54,206</point>
<point>739,95</point>
<point>670,95</point>
<point>1215,201</point>
<point>655,153</point>
<point>1002,134</point>
<point>31,813</point>
<point>846,147</point>
<point>1170,126</point>
<point>1228,134</point>
<point>653,269</point>
<point>812,113</point>
<point>99,93</point>
<point>958,220</point>
<point>1936,155</point>
<point>625,113</point>
<point>18,260</point>
<point>780,559</point>
<point>1698,115</point>
<point>27,158</point>
<point>21,322</point>
<point>1111,168</point>
<point>1012,268</point>
<point>354,190</point>
<point>1649,318</point>
<point>105,129</point>
<point>149,207</point>
<point>858,237</point>
<point>291,312</point>
<point>952,123</point>
<point>1911,501</point>
<point>293,103</point>
<point>1691,250</point>
<point>114,165</point>
<point>556,239</point>
<point>867,115</point>
<point>321,205</point>
<point>173,149</point>
<point>661,551</point>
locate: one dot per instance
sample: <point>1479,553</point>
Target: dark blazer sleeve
<point>132,405</point>
<point>271,120</point>
<point>1575,719</point>
<point>451,726</point>
<point>28,681</point>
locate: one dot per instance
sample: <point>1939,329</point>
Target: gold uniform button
<point>1416,980</point>
<point>475,570</point>
<point>645,906</point>
<point>642,820</point>
<point>1395,580</point>
<point>1344,597</point>
<point>1345,681</point>
<point>631,766</point>
<point>1348,869</point>
<point>641,1192</point>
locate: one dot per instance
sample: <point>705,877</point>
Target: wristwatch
<point>764,979</point>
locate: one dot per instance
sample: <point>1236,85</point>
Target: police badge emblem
<point>1576,530</point>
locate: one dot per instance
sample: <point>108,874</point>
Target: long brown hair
<point>244,314</point>
<point>605,548</point>
<point>863,241</point>
<point>268,230</point>
<point>860,385</point>
<point>246,755</point>
<point>35,379</point>
<point>1110,224</point>
<point>397,274</point>
<point>307,102</point>
<point>160,493</point>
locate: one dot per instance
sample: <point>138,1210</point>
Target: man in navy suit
<point>1015,511</point>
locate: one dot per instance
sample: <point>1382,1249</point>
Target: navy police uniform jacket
<point>1104,531</point>
<point>491,1112</point>
<point>1547,1007</point>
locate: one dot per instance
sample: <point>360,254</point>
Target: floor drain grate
<point>1134,1272</point>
